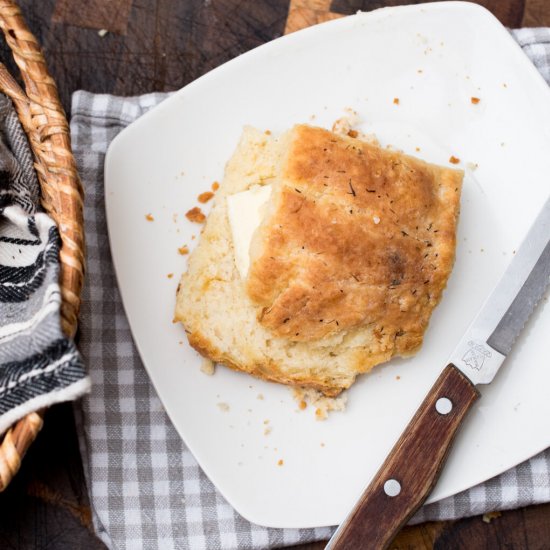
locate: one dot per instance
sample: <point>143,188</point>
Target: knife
<point>413,466</point>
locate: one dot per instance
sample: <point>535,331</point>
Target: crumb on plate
<point>454,160</point>
<point>183,250</point>
<point>149,217</point>
<point>475,100</point>
<point>323,405</point>
<point>205,197</point>
<point>208,366</point>
<point>215,186</point>
<point>195,215</point>
<point>344,124</point>
<point>224,407</point>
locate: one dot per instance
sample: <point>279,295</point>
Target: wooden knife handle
<point>411,469</point>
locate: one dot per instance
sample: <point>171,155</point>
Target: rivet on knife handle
<point>409,473</point>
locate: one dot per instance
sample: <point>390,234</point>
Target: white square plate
<point>434,58</point>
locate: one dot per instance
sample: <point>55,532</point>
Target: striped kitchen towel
<point>39,366</point>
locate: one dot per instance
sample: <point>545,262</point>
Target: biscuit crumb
<point>149,217</point>
<point>344,124</point>
<point>344,127</point>
<point>417,149</point>
<point>268,430</point>
<point>489,516</point>
<point>170,275</point>
<point>323,404</point>
<point>215,186</point>
<point>475,100</point>
<point>454,160</point>
<point>267,132</point>
<point>260,396</point>
<point>205,197</point>
<point>396,101</point>
<point>224,407</point>
<point>398,377</point>
<point>208,366</point>
<point>195,215</point>
<point>280,462</point>
<point>183,250</point>
<point>472,166</point>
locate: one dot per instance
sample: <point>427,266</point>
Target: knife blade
<point>412,468</point>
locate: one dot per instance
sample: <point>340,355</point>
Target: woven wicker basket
<point>45,124</point>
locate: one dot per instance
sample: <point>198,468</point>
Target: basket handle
<point>43,119</point>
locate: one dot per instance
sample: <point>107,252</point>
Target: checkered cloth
<point>146,489</point>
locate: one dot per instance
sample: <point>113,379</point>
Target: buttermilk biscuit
<point>353,253</point>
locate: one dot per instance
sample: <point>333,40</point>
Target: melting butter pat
<point>245,211</point>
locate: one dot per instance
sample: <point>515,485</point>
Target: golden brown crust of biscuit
<point>356,236</point>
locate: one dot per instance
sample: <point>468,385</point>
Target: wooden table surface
<point>161,45</point>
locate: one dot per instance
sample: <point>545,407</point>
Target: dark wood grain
<point>415,463</point>
<point>104,15</point>
<point>167,44</point>
<point>512,13</point>
<point>46,505</point>
<point>509,12</point>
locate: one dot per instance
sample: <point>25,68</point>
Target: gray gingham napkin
<point>146,489</point>
<point>39,366</point>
